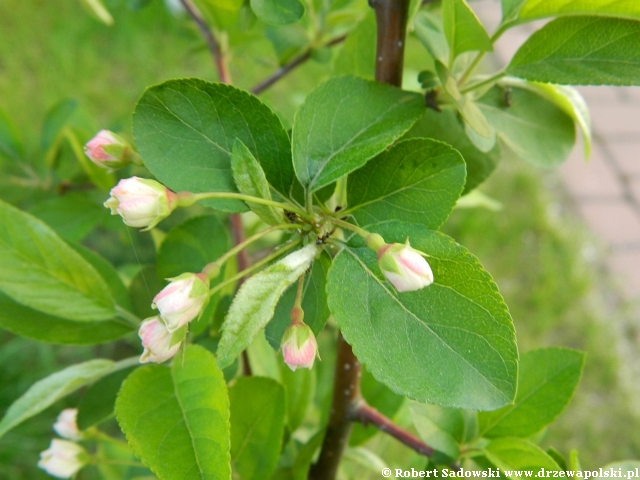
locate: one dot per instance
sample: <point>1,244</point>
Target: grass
<point>539,255</point>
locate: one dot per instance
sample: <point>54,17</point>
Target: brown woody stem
<point>391,19</point>
<point>367,415</point>
<point>291,65</point>
<point>210,38</point>
<point>346,394</point>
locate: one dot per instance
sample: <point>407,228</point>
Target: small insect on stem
<point>291,216</point>
<point>508,97</point>
<point>430,97</point>
<point>321,240</point>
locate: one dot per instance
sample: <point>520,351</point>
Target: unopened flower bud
<point>404,267</point>
<point>141,202</point>
<point>63,458</point>
<point>156,340</point>
<point>66,425</point>
<point>182,300</point>
<point>108,150</point>
<point>299,347</point>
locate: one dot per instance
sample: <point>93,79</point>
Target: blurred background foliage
<point>547,266</point>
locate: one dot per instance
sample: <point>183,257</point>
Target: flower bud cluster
<point>64,458</point>
<point>178,303</point>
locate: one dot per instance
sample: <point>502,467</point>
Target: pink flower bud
<point>182,300</point>
<point>108,150</point>
<point>156,340</point>
<point>404,267</point>
<point>299,347</point>
<point>66,425</point>
<point>63,459</point>
<point>141,202</point>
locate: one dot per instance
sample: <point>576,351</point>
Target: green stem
<point>492,79</point>
<point>480,55</point>
<point>298,302</point>
<point>255,266</point>
<point>130,318</point>
<point>120,462</point>
<point>217,265</point>
<point>195,197</point>
<point>350,226</point>
<point>95,434</point>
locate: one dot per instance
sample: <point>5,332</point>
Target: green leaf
<point>257,426</point>
<point>357,56</point>
<point>452,343</point>
<point>177,420</point>
<point>47,391</point>
<point>581,51</point>
<point>109,275</point>
<point>255,302</point>
<point>185,131</point>
<point>511,9</point>
<point>345,122</point>
<point>144,286</point>
<point>463,30</point>
<point>428,28</point>
<point>278,12</point>
<point>97,9</point>
<point>98,402</point>
<point>288,41</point>
<point>534,9</point>
<point>41,271</point>
<point>71,216</point>
<point>221,13</point>
<point>250,180</point>
<point>440,428</point>
<point>36,325</point>
<point>548,377</point>
<point>535,129</point>
<point>509,454</point>
<point>568,99</point>
<point>416,180</point>
<point>10,143</point>
<point>446,126</point>
<point>464,104</point>
<point>380,397</point>
<point>299,387</point>
<point>191,245</point>
<point>52,126</point>
<point>314,303</point>
<point>626,466</point>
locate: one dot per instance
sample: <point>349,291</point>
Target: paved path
<point>606,188</point>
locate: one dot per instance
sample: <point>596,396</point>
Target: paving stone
<point>626,153</point>
<point>626,268</point>
<point>614,222</point>
<point>598,96</point>
<point>613,119</point>
<point>509,44</point>
<point>592,178</point>
<point>635,189</point>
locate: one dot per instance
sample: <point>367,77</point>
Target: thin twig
<point>368,415</point>
<point>346,393</point>
<point>291,65</point>
<point>391,21</point>
<point>210,38</point>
